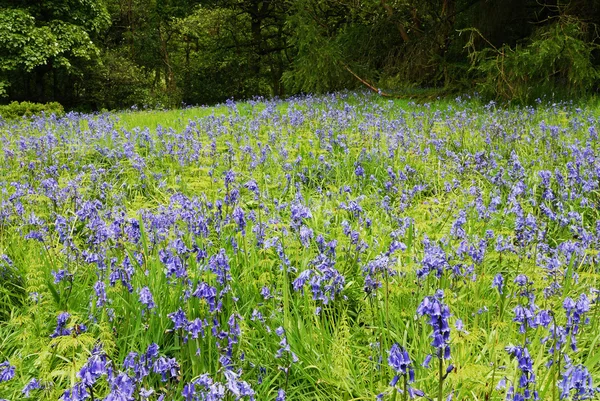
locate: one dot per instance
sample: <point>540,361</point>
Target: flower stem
<point>441,380</point>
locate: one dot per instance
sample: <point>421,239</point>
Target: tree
<point>43,39</point>
<point>234,49</point>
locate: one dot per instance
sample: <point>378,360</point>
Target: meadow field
<point>340,247</point>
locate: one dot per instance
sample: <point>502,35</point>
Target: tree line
<point>95,54</point>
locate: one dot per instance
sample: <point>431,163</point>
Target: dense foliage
<point>19,109</point>
<point>112,54</point>
<point>327,248</point>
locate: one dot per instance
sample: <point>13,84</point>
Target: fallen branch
<point>422,97</point>
<point>364,82</point>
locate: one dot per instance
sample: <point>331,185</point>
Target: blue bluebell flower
<point>61,325</point>
<point>526,383</point>
<point>400,361</point>
<point>32,385</point>
<point>438,313</point>
<point>7,371</point>
<point>577,383</point>
<point>146,298</point>
<point>498,283</point>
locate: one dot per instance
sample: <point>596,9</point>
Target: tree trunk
<point>390,12</point>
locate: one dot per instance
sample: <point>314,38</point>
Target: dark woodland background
<point>111,54</point>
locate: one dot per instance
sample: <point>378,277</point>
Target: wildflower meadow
<point>335,247</point>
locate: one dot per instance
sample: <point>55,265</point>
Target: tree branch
<point>364,82</point>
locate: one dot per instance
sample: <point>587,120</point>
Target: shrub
<point>19,109</point>
<point>556,60</point>
<point>118,83</point>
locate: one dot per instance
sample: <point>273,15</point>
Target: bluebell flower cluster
<point>61,325</point>
<point>146,298</point>
<point>185,251</point>
<point>498,283</point>
<point>438,314</point>
<point>400,362</point>
<point>577,384</point>
<point>284,347</point>
<point>375,271</point>
<point>525,387</point>
<point>324,280</point>
<point>34,384</point>
<point>7,371</point>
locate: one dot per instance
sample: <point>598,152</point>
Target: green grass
<point>301,152</point>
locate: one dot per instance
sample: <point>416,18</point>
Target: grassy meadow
<point>341,247</point>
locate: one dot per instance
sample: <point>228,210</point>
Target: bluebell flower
<point>434,260</point>
<point>359,171</point>
<point>145,393</point>
<point>208,293</point>
<point>219,265</point>
<point>207,389</point>
<point>577,383</point>
<point>95,367</point>
<point>166,367</point>
<point>477,252</point>
<point>375,271</point>
<point>196,328</point>
<point>353,207</point>
<point>524,283</point>
<point>240,219</point>
<point>79,393</point>
<point>284,347</point>
<point>427,361</point>
<point>35,235</point>
<point>457,230</point>
<point>7,371</point>
<point>252,186</point>
<point>100,290</point>
<point>179,319</point>
<point>498,283</point>
<point>460,326</point>
<point>61,325</point>
<point>525,316</point>
<point>189,392</point>
<point>60,275</point>
<point>237,387</point>
<point>526,381</point>
<point>130,360</point>
<point>122,388</point>
<point>543,318</point>
<point>146,298</point>
<point>173,263</point>
<point>32,385</point>
<point>575,312</point>
<point>266,293</point>
<point>545,177</point>
<point>229,178</point>
<point>299,213</point>
<point>306,234</point>
<point>152,351</point>
<point>325,281</point>
<point>438,313</point>
<point>401,363</point>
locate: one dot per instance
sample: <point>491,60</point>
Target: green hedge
<point>20,109</point>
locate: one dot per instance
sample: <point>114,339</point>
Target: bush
<point>19,109</point>
<point>117,83</point>
<point>556,60</point>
